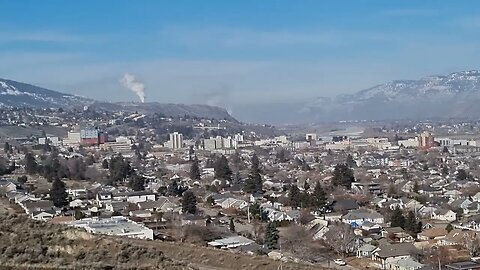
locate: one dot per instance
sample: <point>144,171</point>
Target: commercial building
<point>86,137</point>
<point>310,137</point>
<point>117,226</point>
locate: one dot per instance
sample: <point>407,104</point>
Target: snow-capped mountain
<point>17,94</point>
<point>452,96</point>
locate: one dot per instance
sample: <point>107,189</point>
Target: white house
<point>43,215</point>
<point>141,196</point>
<point>445,215</point>
<point>356,218</point>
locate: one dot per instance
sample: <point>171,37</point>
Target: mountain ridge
<point>19,94</point>
<point>436,96</point>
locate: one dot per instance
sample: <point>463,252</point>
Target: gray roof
<point>394,250</point>
<point>367,248</point>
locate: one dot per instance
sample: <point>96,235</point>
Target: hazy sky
<point>233,53</point>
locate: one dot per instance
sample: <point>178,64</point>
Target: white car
<point>339,262</point>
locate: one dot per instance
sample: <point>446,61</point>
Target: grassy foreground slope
<point>28,244</point>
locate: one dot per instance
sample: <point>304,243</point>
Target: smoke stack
<point>130,82</point>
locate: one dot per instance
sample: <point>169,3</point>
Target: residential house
<point>43,215</point>
<point>77,203</point>
<point>140,214</point>
<point>8,185</point>
<point>231,242</point>
<point>397,234</point>
<point>135,197</point>
<point>189,219</point>
<point>463,266</point>
<point>386,252</point>
<point>36,206</point>
<point>344,205</point>
<point>356,218</point>
<point>162,204</point>
<point>365,251</point>
<point>457,237</point>
<point>116,206</point>
<point>103,196</point>
<point>407,263</point>
<point>444,215</point>
<point>426,212</point>
<point>233,203</point>
<point>432,234</point>
<point>371,227</point>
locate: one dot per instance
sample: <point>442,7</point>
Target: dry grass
<point>24,242</point>
<point>27,244</point>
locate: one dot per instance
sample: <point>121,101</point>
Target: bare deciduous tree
<point>298,241</point>
<point>341,239</point>
<point>471,241</point>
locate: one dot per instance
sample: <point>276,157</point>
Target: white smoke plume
<point>131,83</point>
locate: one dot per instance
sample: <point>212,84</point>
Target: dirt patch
<point>209,258</point>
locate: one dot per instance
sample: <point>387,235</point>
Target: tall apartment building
<point>426,140</point>
<point>176,140</point>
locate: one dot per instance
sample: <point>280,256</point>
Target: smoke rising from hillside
<point>130,82</point>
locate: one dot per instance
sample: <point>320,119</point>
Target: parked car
<point>339,262</point>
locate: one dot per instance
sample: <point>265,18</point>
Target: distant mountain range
<point>17,94</point>
<point>452,96</point>
<point>456,95</point>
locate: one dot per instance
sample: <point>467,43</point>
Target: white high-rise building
<point>176,140</point>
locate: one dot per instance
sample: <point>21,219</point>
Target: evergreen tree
<point>210,200</point>
<point>195,169</point>
<point>175,190</point>
<point>119,168</point>
<point>191,153</point>
<point>237,179</point>
<point>397,219</point>
<point>255,210</point>
<point>31,165</point>
<point>78,214</point>
<point>105,164</point>
<point>232,225</point>
<point>415,187</point>
<point>222,170</point>
<point>343,176</point>
<point>282,155</point>
<point>419,227</point>
<point>189,202</point>
<point>137,183</point>
<point>294,196</point>
<point>8,148</point>
<point>410,222</point>
<point>349,161</point>
<point>208,221</point>
<point>449,227</point>
<point>236,160</point>
<point>271,236</point>
<point>319,198</point>
<point>253,183</point>
<point>445,171</point>
<point>58,193</point>
<point>462,175</point>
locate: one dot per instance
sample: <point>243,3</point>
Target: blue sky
<point>234,53</point>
